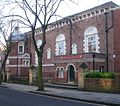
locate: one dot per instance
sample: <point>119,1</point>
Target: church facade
<point>90,38</point>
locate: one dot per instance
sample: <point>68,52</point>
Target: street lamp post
<point>93,61</point>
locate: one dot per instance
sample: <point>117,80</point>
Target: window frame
<point>60,72</point>
<point>22,49</point>
<point>91,40</point>
<point>74,48</point>
<point>60,45</point>
<point>26,62</point>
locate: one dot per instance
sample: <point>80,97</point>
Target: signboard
<point>71,57</point>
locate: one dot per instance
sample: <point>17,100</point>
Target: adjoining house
<point>18,61</point>
<point>90,37</point>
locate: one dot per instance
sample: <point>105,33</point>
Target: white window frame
<point>60,45</point>
<point>60,72</point>
<point>90,33</point>
<point>74,48</point>
<point>22,50</point>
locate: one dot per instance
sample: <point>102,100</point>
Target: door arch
<point>71,73</point>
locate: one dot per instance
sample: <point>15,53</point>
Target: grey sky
<point>81,5</point>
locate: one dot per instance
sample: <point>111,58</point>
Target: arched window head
<point>60,45</point>
<point>48,53</point>
<point>91,43</point>
<point>74,49</point>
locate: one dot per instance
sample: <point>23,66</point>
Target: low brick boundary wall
<point>103,84</point>
<point>98,84</point>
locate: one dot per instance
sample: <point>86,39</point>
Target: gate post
<point>83,69</point>
<point>30,76</point>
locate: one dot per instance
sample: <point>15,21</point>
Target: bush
<point>100,75</point>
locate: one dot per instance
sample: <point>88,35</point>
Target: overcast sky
<point>67,9</point>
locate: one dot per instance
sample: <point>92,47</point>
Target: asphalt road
<point>9,97</point>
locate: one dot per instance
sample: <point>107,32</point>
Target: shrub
<point>100,75</point>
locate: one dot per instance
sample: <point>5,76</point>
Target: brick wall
<point>104,84</point>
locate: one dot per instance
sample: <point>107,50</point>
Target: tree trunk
<point>40,75</point>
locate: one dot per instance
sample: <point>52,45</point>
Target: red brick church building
<point>91,37</point>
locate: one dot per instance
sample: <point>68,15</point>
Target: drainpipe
<point>70,33</point>
<point>106,31</point>
<point>93,61</point>
<point>17,67</point>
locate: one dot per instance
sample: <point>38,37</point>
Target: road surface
<point>9,97</point>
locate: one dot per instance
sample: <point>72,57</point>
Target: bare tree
<point>37,13</point>
<point>6,41</point>
<point>43,12</point>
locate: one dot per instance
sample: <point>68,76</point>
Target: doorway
<point>71,73</point>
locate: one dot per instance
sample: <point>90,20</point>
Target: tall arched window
<point>48,53</point>
<point>74,49</point>
<point>91,43</point>
<point>60,45</point>
<point>39,42</point>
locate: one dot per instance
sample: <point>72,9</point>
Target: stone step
<point>62,85</point>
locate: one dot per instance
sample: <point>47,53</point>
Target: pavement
<point>110,99</point>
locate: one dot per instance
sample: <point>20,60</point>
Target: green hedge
<point>100,75</point>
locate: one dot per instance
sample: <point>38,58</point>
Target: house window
<point>74,49</point>
<point>91,44</point>
<point>60,72</point>
<point>91,40</point>
<point>60,45</point>
<point>20,48</point>
<point>26,62</point>
<point>39,43</point>
<point>48,53</point>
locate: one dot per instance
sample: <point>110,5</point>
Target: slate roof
<point>16,35</point>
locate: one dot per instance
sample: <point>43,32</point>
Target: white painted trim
<point>15,57</point>
<point>17,66</point>
<point>12,57</point>
<point>26,54</point>
<point>46,65</point>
